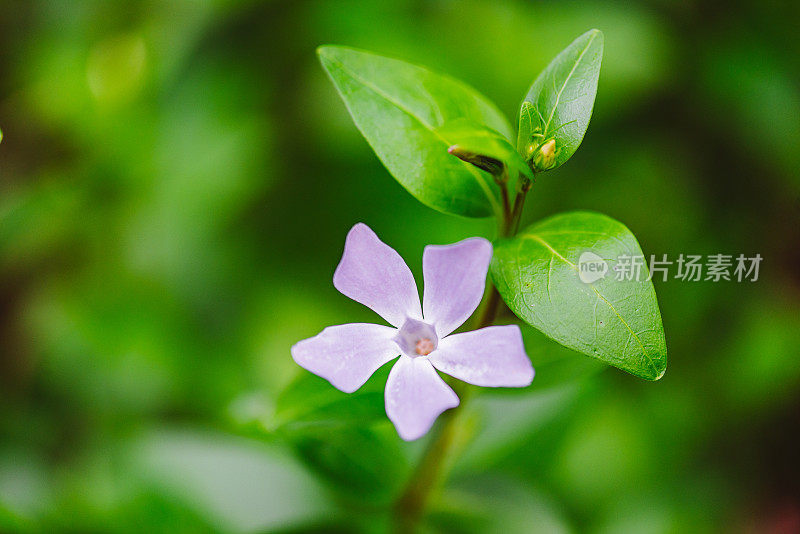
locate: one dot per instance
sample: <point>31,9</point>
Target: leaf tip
<point>657,374</point>
<point>656,378</point>
<point>323,51</point>
<point>598,36</point>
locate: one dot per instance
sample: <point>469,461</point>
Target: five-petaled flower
<point>373,274</point>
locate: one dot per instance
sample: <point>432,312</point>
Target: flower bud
<point>530,151</point>
<point>543,157</point>
<point>484,163</point>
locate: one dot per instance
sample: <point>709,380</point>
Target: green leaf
<point>481,140</point>
<point>559,104</point>
<point>364,464</point>
<point>613,318</point>
<point>491,503</point>
<point>239,485</point>
<point>313,400</point>
<point>399,107</point>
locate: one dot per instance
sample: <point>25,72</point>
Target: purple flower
<point>373,274</point>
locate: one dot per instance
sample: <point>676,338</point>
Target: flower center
<point>424,346</point>
<point>416,338</point>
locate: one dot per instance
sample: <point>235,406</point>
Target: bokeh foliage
<point>176,181</point>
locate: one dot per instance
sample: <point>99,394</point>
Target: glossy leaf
<point>612,318</point>
<point>399,107</point>
<point>559,104</point>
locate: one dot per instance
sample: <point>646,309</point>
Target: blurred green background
<point>176,181</point>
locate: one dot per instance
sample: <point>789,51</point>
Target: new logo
<point>591,267</point>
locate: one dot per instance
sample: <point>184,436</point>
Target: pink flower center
<point>424,347</point>
<point>416,338</point>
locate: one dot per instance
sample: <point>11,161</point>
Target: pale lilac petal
<point>346,355</point>
<point>372,273</point>
<point>489,357</point>
<point>415,396</point>
<point>455,277</point>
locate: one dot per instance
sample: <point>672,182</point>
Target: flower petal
<point>490,357</point>
<point>346,355</point>
<point>372,273</point>
<point>415,396</point>
<point>455,277</point>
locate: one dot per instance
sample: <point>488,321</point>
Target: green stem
<point>519,202</point>
<point>410,506</point>
<point>506,211</point>
<point>503,183</point>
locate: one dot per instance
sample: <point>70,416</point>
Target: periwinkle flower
<point>373,274</point>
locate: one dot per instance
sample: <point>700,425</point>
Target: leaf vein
<point>571,72</point>
<point>555,253</point>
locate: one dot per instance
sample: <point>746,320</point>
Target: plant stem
<point>411,504</point>
<point>503,183</point>
<point>519,203</point>
<point>490,310</point>
<point>506,210</point>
